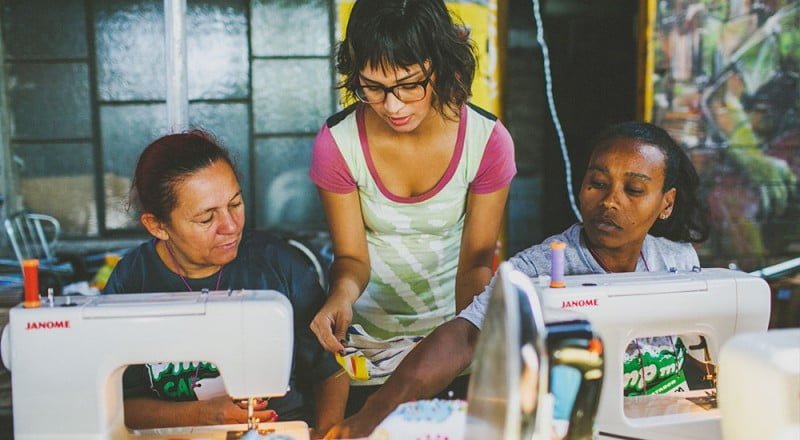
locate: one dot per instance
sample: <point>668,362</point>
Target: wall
<point>726,87</point>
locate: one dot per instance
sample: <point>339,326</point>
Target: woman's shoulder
<point>341,129</point>
<point>482,112</point>
<point>571,236</point>
<point>138,255</point>
<point>280,266</point>
<point>482,120</point>
<point>481,123</point>
<point>338,117</point>
<point>127,273</point>
<point>536,259</point>
<point>266,243</point>
<point>667,246</point>
<point>270,249</point>
<point>675,254</point>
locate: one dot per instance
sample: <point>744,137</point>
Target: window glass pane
<point>230,124</point>
<point>49,101</point>
<point>217,49</point>
<point>291,95</point>
<point>58,179</point>
<point>127,130</point>
<point>53,159</point>
<point>129,38</point>
<point>44,29</point>
<point>289,27</point>
<point>285,196</point>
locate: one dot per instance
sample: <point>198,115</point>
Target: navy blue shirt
<point>262,262</point>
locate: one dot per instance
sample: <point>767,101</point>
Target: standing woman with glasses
<point>413,180</point>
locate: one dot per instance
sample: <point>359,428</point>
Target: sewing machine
<point>67,358</point>
<point>714,303</point>
<point>519,347</point>
<point>759,385</point>
<point>509,396</point>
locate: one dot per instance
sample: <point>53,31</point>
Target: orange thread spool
<point>30,274</point>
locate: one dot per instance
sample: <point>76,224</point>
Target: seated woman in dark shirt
<point>189,199</point>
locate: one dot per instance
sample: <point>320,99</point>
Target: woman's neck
<point>176,263</point>
<point>615,260</point>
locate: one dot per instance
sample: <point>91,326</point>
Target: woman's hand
<point>349,272</point>
<point>359,425</point>
<point>331,323</point>
<point>223,411</point>
<point>150,413</point>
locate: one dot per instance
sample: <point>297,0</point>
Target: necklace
<point>185,282</point>
<point>600,262</point>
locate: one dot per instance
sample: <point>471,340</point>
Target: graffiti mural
<point>726,87</point>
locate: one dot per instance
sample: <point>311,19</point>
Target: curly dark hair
<point>688,221</point>
<point>403,33</point>
<point>166,162</point>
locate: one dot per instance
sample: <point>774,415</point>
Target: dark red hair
<point>166,162</point>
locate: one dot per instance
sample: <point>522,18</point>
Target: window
<point>86,86</point>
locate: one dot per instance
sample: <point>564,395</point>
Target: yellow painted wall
<point>645,61</point>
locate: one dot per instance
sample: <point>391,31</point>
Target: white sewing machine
<point>715,303</point>
<point>67,357</point>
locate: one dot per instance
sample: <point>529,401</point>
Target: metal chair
<point>35,236</point>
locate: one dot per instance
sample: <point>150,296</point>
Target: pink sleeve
<point>328,168</point>
<point>497,166</point>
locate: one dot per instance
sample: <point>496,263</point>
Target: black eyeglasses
<point>406,92</point>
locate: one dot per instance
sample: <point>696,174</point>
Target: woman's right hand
<point>350,271</point>
<point>331,323</point>
<point>223,410</point>
<point>357,426</point>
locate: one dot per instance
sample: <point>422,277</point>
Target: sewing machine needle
<point>252,421</point>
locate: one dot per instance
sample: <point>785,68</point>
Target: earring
<point>663,216</point>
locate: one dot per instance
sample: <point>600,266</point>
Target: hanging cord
<point>552,106</point>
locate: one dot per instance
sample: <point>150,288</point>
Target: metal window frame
<point>177,102</point>
<point>177,72</point>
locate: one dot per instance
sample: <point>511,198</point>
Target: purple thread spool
<point>557,264</point>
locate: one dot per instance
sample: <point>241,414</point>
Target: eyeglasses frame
<point>386,90</point>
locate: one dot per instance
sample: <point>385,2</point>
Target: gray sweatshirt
<point>658,254</point>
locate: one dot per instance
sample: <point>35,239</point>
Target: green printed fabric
<point>177,381</point>
<point>654,366</point>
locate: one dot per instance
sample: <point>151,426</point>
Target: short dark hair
<point>166,162</point>
<point>403,33</point>
<point>688,221</point>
